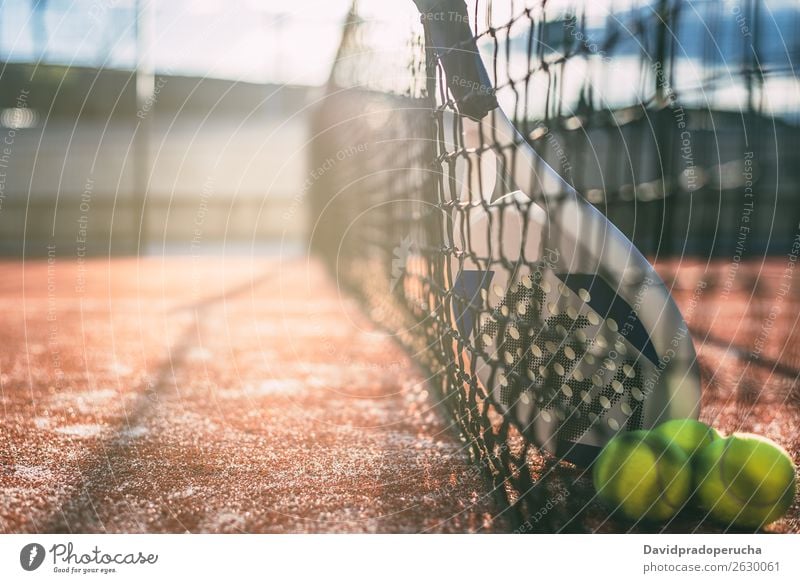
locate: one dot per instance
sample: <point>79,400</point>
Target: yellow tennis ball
<point>688,434</point>
<point>744,480</point>
<point>642,475</point>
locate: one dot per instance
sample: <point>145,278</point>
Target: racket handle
<point>447,24</point>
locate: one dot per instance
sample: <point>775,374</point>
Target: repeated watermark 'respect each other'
<point>321,170</point>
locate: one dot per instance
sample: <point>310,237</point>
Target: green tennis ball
<point>643,476</point>
<point>744,480</point>
<point>688,434</point>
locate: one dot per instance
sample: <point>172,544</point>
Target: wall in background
<point>225,161</point>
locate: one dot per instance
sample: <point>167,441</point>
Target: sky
<point>248,40</point>
<point>258,41</point>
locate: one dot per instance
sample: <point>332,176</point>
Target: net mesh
<point>651,110</point>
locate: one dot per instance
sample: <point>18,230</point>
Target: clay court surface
<point>249,395</point>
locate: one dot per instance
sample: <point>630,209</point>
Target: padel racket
<point>561,319</point>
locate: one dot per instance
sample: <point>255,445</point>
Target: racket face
<point>567,327</point>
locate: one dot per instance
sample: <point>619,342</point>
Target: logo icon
<point>31,556</point>
<point>400,257</point>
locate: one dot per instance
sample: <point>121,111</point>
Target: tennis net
<point>647,108</point>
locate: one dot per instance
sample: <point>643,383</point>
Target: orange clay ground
<point>249,395</point>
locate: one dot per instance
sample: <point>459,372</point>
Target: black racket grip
<point>447,24</point>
